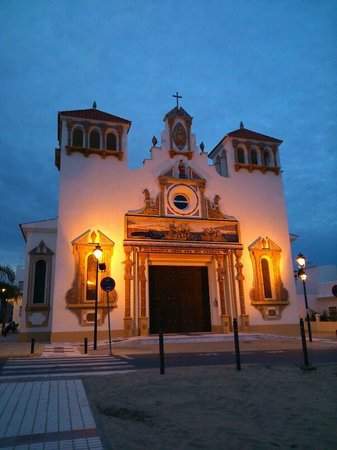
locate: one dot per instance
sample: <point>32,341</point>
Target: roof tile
<point>244,133</point>
<point>93,114</point>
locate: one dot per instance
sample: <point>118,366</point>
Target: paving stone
<point>31,408</point>
<point>51,446</point>
<point>37,446</point>
<point>66,445</point>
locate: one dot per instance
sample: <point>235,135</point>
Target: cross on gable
<point>177,97</point>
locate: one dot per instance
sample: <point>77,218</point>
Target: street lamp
<point>3,305</point>
<point>300,259</point>
<point>302,275</point>
<point>98,253</point>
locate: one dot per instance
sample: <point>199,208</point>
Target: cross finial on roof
<point>177,97</point>
<point>94,105</point>
<point>241,124</point>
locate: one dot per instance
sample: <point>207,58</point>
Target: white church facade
<point>191,245</point>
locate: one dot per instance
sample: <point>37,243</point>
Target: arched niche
<point>268,294</point>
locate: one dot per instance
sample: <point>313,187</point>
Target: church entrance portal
<point>179,297</point>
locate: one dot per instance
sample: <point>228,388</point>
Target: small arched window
<point>78,137</point>
<point>111,141</point>
<point>253,156</point>
<point>241,155</point>
<point>40,281</point>
<point>218,164</point>
<point>266,158</point>
<point>95,139</point>
<point>224,165</point>
<point>266,278</point>
<point>91,278</point>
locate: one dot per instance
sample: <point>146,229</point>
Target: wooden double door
<point>179,299</point>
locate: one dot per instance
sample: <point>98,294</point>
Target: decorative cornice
<point>173,153</point>
<point>167,180</point>
<point>187,246</point>
<point>41,249</point>
<point>252,167</point>
<point>103,153</point>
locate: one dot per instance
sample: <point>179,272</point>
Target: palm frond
<point>7,274</point>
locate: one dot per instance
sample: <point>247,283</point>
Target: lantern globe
<point>98,252</point>
<point>300,259</point>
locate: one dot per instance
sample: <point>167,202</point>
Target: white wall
<point>96,193</point>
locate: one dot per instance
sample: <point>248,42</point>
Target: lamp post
<point>301,261</point>
<point>98,252</point>
<point>3,304</point>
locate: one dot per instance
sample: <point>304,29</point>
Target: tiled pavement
<point>29,369</point>
<point>47,415</point>
<point>51,350</point>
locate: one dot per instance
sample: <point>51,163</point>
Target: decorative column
<point>69,130</point>
<point>86,126</point>
<point>244,322</point>
<point>274,150</point>
<point>143,320</point>
<point>227,289</point>
<point>103,129</point>
<point>128,321</point>
<point>162,197</point>
<point>225,322</point>
<point>203,201</point>
<point>232,283</point>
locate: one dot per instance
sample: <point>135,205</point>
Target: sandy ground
<point>282,343</point>
<point>11,348</point>
<point>217,408</point>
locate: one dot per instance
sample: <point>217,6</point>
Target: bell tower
<point>91,132</point>
<point>178,124</point>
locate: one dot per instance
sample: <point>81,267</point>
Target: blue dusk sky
<point>271,64</point>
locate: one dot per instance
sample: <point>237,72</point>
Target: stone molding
<point>40,252</point>
<point>271,309</point>
<point>227,281</point>
<point>252,167</point>
<point>103,153</point>
<point>76,302</point>
<point>187,154</point>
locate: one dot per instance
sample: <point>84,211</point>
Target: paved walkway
<point>51,350</point>
<point>63,367</point>
<point>47,415</point>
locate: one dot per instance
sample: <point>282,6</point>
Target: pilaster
<point>128,321</point>
<point>143,322</point>
<point>225,323</point>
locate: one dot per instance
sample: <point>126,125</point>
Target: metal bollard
<point>32,346</point>
<point>304,345</point>
<point>85,345</point>
<point>236,344</point>
<point>161,353</point>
